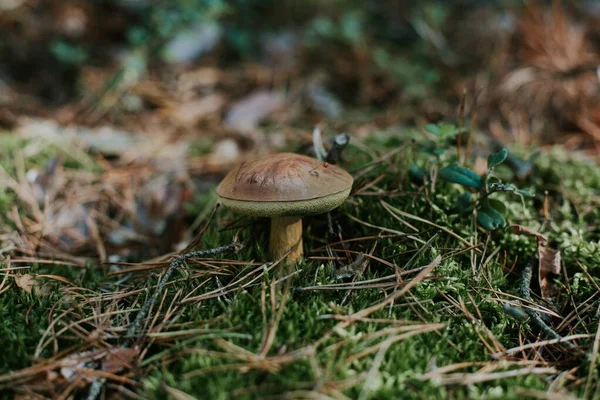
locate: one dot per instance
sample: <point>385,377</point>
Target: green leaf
<point>525,192</point>
<point>417,173</point>
<point>448,131</point>
<point>497,205</point>
<point>498,158</point>
<point>462,176</point>
<point>462,203</point>
<point>68,53</point>
<point>433,128</point>
<point>490,218</point>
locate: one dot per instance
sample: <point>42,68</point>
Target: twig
<point>340,142</point>
<point>389,299</point>
<point>535,316</point>
<point>95,388</point>
<point>561,340</point>
<point>330,230</point>
<point>177,262</point>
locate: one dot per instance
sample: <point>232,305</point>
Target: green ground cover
<point>262,336</point>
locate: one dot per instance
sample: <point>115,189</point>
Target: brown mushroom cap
<point>285,184</point>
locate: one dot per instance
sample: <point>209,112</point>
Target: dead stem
<point>178,262</point>
<point>536,317</point>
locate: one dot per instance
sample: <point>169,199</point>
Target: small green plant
<point>490,212</point>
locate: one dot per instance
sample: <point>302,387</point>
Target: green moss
<point>573,185</point>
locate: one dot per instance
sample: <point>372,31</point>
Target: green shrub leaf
<point>418,174</point>
<point>462,176</point>
<point>462,203</point>
<point>433,128</point>
<point>497,205</point>
<point>490,218</point>
<point>448,131</point>
<point>498,158</point>
<point>525,192</point>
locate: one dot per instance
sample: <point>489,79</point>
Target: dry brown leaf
<point>31,284</point>
<point>119,359</point>
<point>246,114</point>
<point>72,364</point>
<point>550,263</point>
<point>106,140</point>
<point>44,183</point>
<point>524,230</point>
<point>25,282</point>
<point>67,226</point>
<point>200,77</point>
<point>226,152</point>
<point>193,111</point>
<point>113,361</point>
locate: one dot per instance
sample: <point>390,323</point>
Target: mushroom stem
<point>286,234</point>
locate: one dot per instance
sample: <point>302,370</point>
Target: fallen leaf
<point>549,261</point>
<point>111,361</point>
<point>45,182</point>
<point>246,114</point>
<point>107,140</point>
<point>193,111</point>
<point>226,152</point>
<point>68,227</point>
<point>119,359</point>
<point>157,201</point>
<point>125,234</point>
<point>71,365</point>
<point>189,44</point>
<point>31,284</point>
<point>25,282</point>
<point>524,230</point>
<point>549,266</point>
<point>198,78</point>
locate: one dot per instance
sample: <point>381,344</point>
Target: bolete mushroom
<point>285,187</point>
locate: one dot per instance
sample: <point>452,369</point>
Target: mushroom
<point>285,187</point>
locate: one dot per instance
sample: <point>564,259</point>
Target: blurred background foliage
<point>412,59</point>
<point>403,41</point>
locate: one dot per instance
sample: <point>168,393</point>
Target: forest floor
<point>464,265</point>
<point>423,313</point>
